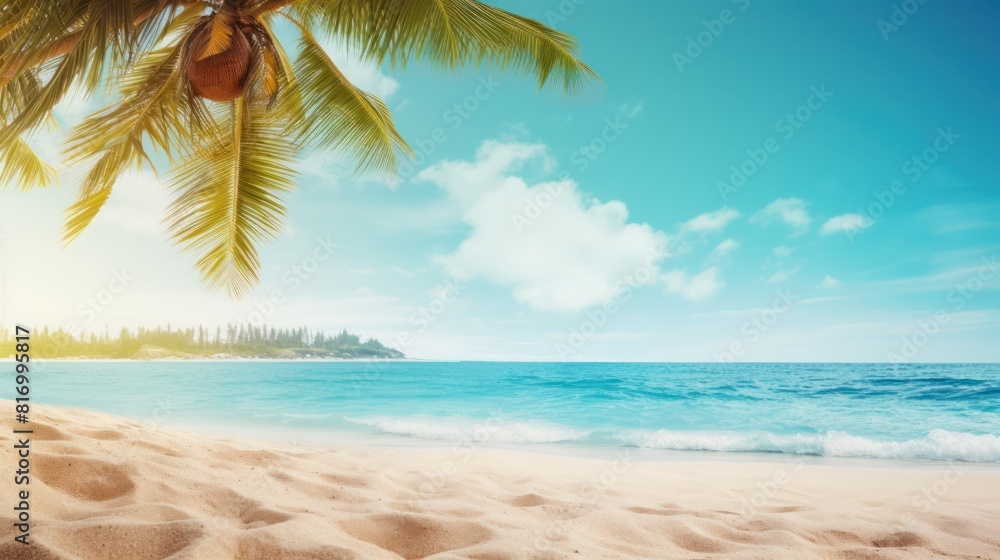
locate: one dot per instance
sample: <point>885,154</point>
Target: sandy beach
<point>104,487</point>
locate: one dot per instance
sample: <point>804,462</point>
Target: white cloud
<point>780,276</point>
<point>829,282</point>
<point>782,251</point>
<point>701,286</point>
<point>711,221</point>
<point>792,211</point>
<point>363,74</point>
<point>323,165</point>
<point>726,247</point>
<point>845,222</point>
<point>551,245</point>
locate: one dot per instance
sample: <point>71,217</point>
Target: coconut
<point>222,76</point>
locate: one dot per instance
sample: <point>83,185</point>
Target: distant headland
<point>242,341</point>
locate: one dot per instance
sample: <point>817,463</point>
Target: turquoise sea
<point>883,411</point>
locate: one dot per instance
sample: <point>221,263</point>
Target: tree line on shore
<point>233,340</point>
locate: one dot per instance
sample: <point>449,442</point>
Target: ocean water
<point>882,411</point>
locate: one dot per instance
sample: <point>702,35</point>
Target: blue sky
<point>752,181</point>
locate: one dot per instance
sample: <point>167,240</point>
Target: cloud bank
<point>552,246</point>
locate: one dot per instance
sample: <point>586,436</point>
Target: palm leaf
<point>288,86</point>
<point>100,39</point>
<point>91,42</point>
<point>220,36</point>
<point>21,166</point>
<point>153,109</point>
<point>17,94</point>
<point>343,117</point>
<point>450,34</point>
<point>228,199</point>
<point>35,32</point>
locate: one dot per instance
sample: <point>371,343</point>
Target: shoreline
<point>109,487</point>
<point>328,438</point>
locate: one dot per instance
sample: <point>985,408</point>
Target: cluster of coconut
<point>221,76</point>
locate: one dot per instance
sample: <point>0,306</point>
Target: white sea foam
<point>937,445</point>
<point>289,416</point>
<point>490,430</point>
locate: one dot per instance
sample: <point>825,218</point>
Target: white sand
<point>109,488</point>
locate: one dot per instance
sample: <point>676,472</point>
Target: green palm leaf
<point>452,33</point>
<point>153,109</point>
<point>20,165</point>
<point>343,117</point>
<point>228,199</point>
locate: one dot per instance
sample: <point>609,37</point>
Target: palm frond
<point>21,166</point>
<point>228,200</point>
<point>291,93</point>
<point>153,105</point>
<point>95,191</point>
<point>451,34</point>
<point>149,107</point>
<point>153,109</point>
<point>17,94</point>
<point>92,42</point>
<point>220,36</point>
<point>38,31</point>
<point>343,117</point>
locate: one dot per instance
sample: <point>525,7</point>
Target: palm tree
<point>207,84</point>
